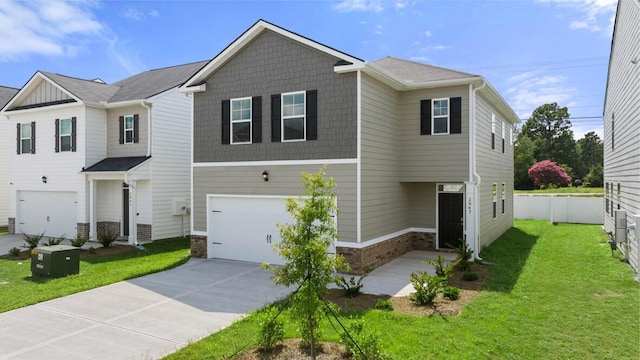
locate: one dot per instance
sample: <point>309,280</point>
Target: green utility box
<point>55,261</point>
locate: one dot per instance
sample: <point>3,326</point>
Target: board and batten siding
<point>432,158</point>
<point>284,180</point>
<point>114,148</point>
<point>5,148</point>
<point>45,92</point>
<point>622,122</point>
<point>171,159</point>
<point>493,166</point>
<point>384,207</point>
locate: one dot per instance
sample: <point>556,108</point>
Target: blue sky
<point>531,51</point>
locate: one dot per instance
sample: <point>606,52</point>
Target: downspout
<point>133,219</point>
<point>144,104</point>
<point>475,176</point>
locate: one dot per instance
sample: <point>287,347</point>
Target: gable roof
<point>413,72</point>
<point>83,90</point>
<point>6,93</point>
<point>117,164</point>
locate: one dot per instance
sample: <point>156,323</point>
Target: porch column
<point>93,231</point>
<point>471,216</point>
<point>133,218</point>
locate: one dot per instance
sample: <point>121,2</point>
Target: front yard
<point>554,292</point>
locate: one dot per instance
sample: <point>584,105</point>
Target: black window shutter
<point>136,128</point>
<point>456,115</point>
<point>312,115</point>
<point>275,118</point>
<point>33,137</point>
<point>73,133</point>
<point>493,141</point>
<point>121,121</point>
<point>226,121</point>
<point>18,139</point>
<point>57,135</point>
<point>503,146</point>
<point>256,119</point>
<point>425,117</point>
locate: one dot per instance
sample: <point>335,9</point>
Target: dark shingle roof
<point>6,93</point>
<point>86,90</point>
<point>116,164</point>
<point>413,72</point>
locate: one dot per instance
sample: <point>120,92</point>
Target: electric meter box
<point>55,261</point>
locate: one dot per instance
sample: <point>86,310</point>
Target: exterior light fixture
<point>265,175</point>
<point>44,179</point>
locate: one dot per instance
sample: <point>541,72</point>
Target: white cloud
<point>154,13</point>
<point>596,12</point>
<point>52,28</point>
<point>134,14</point>
<point>359,5</point>
<point>427,33</point>
<point>378,30</point>
<point>529,90</point>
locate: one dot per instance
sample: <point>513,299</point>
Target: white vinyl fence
<point>559,208</point>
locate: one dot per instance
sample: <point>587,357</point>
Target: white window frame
<point>239,121</point>
<point>61,135</point>
<point>283,118</point>
<point>23,138</point>
<point>504,191</point>
<point>495,200</point>
<point>493,131</point>
<point>433,116</point>
<point>132,129</point>
<point>510,134</point>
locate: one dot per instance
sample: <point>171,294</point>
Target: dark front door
<point>125,211</point>
<point>450,219</point>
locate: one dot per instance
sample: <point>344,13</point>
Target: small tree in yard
<point>546,172</point>
<point>304,248</point>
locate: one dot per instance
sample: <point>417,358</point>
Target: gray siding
<point>421,198</point>
<point>272,64</point>
<point>432,158</point>
<point>284,180</point>
<point>493,166</point>
<point>622,158</point>
<point>114,148</point>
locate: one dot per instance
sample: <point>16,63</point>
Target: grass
<point>4,230</point>
<point>555,292</point>
<point>17,289</point>
<point>569,191</point>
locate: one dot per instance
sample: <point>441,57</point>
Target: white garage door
<point>51,213</point>
<point>244,228</point>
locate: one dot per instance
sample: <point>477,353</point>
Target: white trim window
<point>65,134</point>
<point>493,131</point>
<point>241,113</point>
<point>504,192</point>
<point>495,200</point>
<point>294,114</point>
<point>25,138</point>
<point>440,116</point>
<point>128,129</point>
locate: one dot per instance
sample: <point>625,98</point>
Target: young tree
<point>304,247</point>
<point>591,151</point>
<point>524,157</point>
<point>545,173</point>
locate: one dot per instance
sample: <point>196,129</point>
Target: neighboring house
<point>421,155</point>
<point>90,157</point>
<point>622,133</point>
<point>6,93</point>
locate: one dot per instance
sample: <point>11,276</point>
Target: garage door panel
<point>52,213</point>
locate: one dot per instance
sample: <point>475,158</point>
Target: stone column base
<point>198,246</point>
<point>11,226</point>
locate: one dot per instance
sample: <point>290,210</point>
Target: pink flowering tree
<point>547,172</point>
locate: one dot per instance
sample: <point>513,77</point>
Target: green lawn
<point>17,289</point>
<point>3,230</point>
<point>555,292</point>
<point>573,191</point>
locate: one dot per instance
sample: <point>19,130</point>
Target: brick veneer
<point>381,253</point>
<point>144,233</point>
<point>11,226</point>
<point>82,229</point>
<point>198,246</point>
<point>104,226</point>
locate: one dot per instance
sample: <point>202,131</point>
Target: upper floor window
<point>441,116</point>
<point>26,138</point>
<point>129,128</point>
<point>293,116</point>
<point>66,134</point>
<point>495,200</point>
<point>493,131</point>
<point>241,121</point>
<point>504,191</point>
<point>502,127</point>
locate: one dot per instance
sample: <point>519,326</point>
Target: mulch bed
<point>84,253</point>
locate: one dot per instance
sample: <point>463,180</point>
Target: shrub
<point>14,251</point>
<point>385,305</point>
<point>464,254</point>
<point>79,240</point>
<point>427,287</point>
<point>547,172</point>
<point>363,344</point>
<point>469,275</point>
<point>54,241</point>
<point>451,293</point>
<point>270,328</point>
<point>31,240</point>
<point>351,287</point>
<point>92,250</point>
<point>107,237</point>
<point>439,266</point>
<point>594,178</point>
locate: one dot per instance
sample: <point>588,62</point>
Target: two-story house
<point>622,134</point>
<point>421,155</point>
<point>90,157</point>
<point>6,93</point>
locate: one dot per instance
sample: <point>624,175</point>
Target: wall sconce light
<point>265,175</point>
<point>44,179</point>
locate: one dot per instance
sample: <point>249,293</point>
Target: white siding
<point>144,207</point>
<point>109,200</point>
<point>621,146</point>
<point>171,156</point>
<point>94,141</point>
<point>5,148</point>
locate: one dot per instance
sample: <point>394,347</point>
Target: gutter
<point>474,177</point>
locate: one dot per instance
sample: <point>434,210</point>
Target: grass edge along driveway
<point>555,292</point>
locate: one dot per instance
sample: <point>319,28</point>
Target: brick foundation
<point>106,226</point>
<point>370,257</point>
<point>198,246</point>
<point>82,229</point>
<point>12,226</point>
<point>144,233</point>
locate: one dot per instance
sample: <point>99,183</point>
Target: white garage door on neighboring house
<point>244,227</point>
<point>50,212</point>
